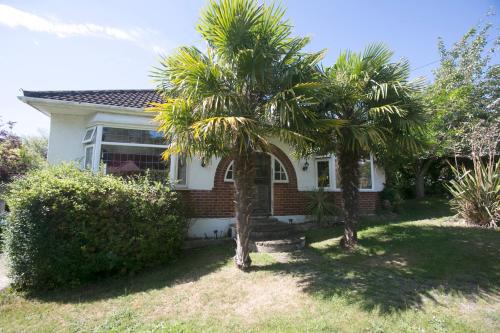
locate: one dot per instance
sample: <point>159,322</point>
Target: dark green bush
<point>67,226</point>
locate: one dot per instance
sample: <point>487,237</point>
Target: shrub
<point>67,226</point>
<point>320,206</point>
<point>391,198</point>
<point>476,192</point>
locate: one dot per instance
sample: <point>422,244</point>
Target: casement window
<point>323,173</point>
<point>181,170</point>
<point>89,135</point>
<point>89,157</point>
<point>365,173</point>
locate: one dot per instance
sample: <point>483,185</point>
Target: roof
<point>135,98</point>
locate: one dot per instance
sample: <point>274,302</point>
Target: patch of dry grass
<point>409,275</point>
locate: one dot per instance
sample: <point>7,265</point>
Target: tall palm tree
<point>376,102</point>
<point>252,83</point>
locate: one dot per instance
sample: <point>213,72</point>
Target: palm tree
<point>251,84</point>
<point>376,102</point>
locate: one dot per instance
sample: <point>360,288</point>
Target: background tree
<point>18,155</point>
<point>13,159</point>
<point>372,96</point>
<point>464,93</point>
<point>251,84</point>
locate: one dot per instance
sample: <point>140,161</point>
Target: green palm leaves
<point>252,82</point>
<point>374,97</point>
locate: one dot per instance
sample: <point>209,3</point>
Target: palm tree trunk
<point>244,187</point>
<point>349,180</point>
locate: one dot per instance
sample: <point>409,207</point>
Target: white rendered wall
<point>65,139</point>
<point>67,131</point>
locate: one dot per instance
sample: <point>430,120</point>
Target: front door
<point>262,200</point>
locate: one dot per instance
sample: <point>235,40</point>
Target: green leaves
<point>67,226</point>
<point>372,95</point>
<point>253,81</point>
<point>476,193</point>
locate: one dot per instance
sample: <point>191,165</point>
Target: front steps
<point>269,235</point>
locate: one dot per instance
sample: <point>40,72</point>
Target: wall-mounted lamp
<point>203,162</point>
<point>306,166</point>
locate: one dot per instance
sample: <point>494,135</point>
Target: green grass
<point>418,272</point>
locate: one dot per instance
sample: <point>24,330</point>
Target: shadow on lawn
<point>398,266</point>
<point>189,267</point>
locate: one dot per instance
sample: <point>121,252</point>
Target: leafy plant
<point>321,206</point>
<point>374,101</point>
<point>67,226</point>
<point>253,82</point>
<point>476,192</point>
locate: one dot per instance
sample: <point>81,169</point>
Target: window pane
<point>89,152</point>
<point>126,160</point>
<point>279,171</point>
<point>323,173</point>
<point>229,172</point>
<point>365,174</point>
<point>89,135</point>
<point>181,170</point>
<point>110,134</point>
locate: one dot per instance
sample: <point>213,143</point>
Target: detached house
<point>110,127</point>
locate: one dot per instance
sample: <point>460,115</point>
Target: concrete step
<point>272,235</point>
<point>280,245</point>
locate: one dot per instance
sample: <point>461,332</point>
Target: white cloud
<point>14,18</point>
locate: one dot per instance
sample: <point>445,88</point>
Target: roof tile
<point>137,98</point>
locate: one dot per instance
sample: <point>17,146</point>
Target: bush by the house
<point>67,226</point>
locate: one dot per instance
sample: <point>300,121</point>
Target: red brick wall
<point>287,200</point>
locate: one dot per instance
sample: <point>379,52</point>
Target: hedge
<point>68,226</point>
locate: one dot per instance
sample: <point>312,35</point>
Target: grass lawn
<point>419,272</point>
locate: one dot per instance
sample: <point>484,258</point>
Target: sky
<point>113,44</point>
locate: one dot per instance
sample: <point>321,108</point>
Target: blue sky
<point>64,45</point>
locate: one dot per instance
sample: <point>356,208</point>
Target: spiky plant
<point>476,192</point>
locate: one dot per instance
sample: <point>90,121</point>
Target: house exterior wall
<point>209,198</point>
<point>65,139</point>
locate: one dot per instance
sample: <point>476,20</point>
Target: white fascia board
<point>48,106</point>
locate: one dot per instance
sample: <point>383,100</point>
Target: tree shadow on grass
<point>411,210</point>
<point>397,267</point>
<point>190,266</point>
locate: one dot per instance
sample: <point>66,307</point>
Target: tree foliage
<point>253,82</point>
<point>373,99</point>
<point>18,155</point>
<point>465,91</point>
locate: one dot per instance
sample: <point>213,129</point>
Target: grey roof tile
<point>136,98</point>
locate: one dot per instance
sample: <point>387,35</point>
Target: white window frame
<point>99,143</point>
<point>330,178</point>
<point>91,167</point>
<point>273,158</point>
<point>93,129</point>
<point>176,174</point>
<point>282,181</point>
<point>229,180</point>
<point>372,175</point>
